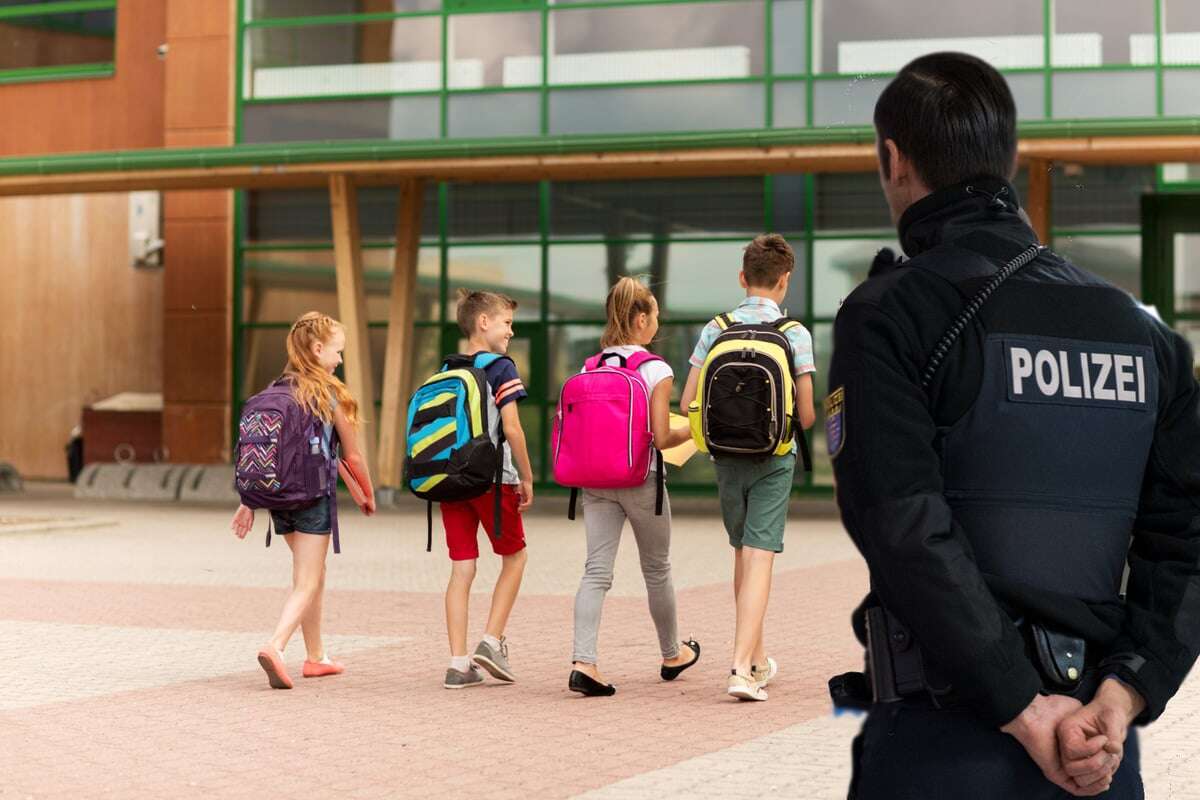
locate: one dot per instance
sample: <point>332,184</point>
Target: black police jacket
<point>1060,437</point>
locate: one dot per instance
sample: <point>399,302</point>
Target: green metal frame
<point>57,72</point>
<point>537,329</point>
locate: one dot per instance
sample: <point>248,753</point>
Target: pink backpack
<point>601,437</point>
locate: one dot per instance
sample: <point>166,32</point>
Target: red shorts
<point>461,520</point>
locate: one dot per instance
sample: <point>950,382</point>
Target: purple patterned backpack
<point>281,463</point>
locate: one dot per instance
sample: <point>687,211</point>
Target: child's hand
<point>368,506</point>
<point>525,493</point>
<point>243,521</point>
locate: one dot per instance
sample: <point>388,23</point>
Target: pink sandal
<point>319,669</point>
<point>271,661</point>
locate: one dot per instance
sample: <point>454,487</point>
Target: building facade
<point>241,265</point>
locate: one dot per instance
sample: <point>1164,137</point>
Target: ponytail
<point>628,298</point>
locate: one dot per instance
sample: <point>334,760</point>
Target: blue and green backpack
<point>450,453</point>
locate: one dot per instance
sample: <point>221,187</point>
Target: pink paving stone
<point>388,723</point>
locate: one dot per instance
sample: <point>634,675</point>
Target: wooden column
<point>352,305</point>
<point>1037,204</point>
<point>397,364</point>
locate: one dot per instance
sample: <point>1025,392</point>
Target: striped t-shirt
<point>507,387</point>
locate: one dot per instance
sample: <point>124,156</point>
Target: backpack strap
<point>456,361</point>
<point>485,360</point>
<point>724,321</point>
<point>660,483</point>
<point>785,324</point>
<point>599,360</point>
<point>499,481</point>
<point>429,523</point>
<point>269,520</point>
<point>642,357</point>
<point>571,505</point>
<point>334,444</point>
<point>805,452</point>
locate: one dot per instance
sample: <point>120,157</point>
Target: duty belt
<point>897,669</point>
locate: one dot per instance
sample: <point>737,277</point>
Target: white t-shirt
<point>653,372</point>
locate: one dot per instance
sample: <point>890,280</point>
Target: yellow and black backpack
<point>746,400</point>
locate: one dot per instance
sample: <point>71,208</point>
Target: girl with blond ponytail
<point>314,349</point>
<point>632,324</point>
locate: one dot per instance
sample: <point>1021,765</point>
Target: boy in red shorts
<point>486,320</point>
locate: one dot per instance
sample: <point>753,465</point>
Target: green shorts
<point>754,499</point>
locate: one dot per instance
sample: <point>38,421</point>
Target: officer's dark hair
<point>766,259</point>
<point>953,116</point>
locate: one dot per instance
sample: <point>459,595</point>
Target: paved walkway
<point>129,634</point>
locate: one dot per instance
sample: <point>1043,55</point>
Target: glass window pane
<point>1181,40</point>
<point>568,347</point>
<point>514,270</point>
<point>496,42</point>
<point>702,107</point>
<point>492,210</point>
<point>672,207</point>
<point>1125,32</point>
<point>851,201</point>
<point>1191,331</point>
<point>1181,92</point>
<point>494,114</point>
<point>1187,273</point>
<point>395,118</point>
<point>846,102</point>
<point>700,278</point>
<point>56,40</point>
<point>580,276</point>
<point>839,265</point>
<point>1117,259</point>
<point>1084,95</point>
<point>650,43</point>
<point>1097,195</point>
<point>822,350</point>
<point>402,55</point>
<point>881,35</point>
<point>280,285</point>
<point>303,215</point>
<point>1179,173</point>
<point>271,9</point>
<point>789,195</point>
<point>789,35</point>
<point>791,104</point>
<point>424,349</point>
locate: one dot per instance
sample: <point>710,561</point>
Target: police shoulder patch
<point>835,421</point>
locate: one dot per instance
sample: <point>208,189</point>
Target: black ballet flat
<point>587,685</point>
<point>671,673</point>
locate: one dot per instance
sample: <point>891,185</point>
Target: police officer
<point>1007,431</point>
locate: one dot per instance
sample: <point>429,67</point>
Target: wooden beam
<point>397,364</point>
<point>352,306</point>
<point>1037,204</point>
<point>699,162</point>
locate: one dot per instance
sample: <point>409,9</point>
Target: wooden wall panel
<point>117,113</point>
<point>80,323</point>
<point>198,229</point>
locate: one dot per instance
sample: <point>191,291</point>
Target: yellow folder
<point>678,455</point>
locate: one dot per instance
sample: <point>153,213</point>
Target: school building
<point>179,179</point>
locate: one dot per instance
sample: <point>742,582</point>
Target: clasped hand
<point>1078,747</point>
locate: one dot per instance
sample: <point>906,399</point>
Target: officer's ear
<point>897,169</point>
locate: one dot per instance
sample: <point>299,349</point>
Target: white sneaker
<point>745,688</point>
<point>764,675</point>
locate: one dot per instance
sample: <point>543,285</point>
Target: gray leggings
<point>604,514</point>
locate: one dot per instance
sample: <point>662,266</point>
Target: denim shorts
<point>310,519</point>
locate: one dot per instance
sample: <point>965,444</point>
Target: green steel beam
<point>268,155</point>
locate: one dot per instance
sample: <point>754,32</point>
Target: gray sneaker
<point>494,661</point>
<point>462,680</point>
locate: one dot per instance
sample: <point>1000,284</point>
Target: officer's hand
<point>1109,715</point>
<point>1035,728</point>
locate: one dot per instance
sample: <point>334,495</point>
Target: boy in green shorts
<point>755,493</point>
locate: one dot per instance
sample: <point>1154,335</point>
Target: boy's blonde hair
<point>473,303</point>
<point>767,259</point>
<point>312,384</point>
<point>626,299</point>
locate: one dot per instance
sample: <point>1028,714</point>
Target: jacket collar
<point>948,213</point>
